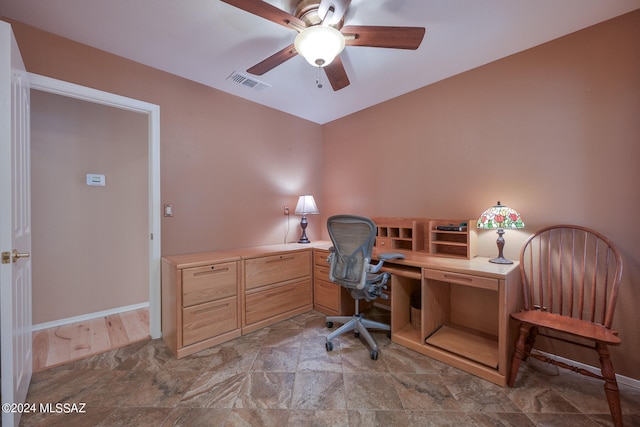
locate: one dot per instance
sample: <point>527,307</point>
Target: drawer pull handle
<point>462,278</point>
<point>217,307</point>
<point>289,258</point>
<point>202,273</point>
<point>281,292</point>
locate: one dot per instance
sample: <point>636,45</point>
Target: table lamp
<point>306,206</point>
<point>500,217</point>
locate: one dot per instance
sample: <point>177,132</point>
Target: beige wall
<point>553,132</point>
<point>89,243</point>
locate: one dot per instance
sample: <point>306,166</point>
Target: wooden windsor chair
<point>570,279</point>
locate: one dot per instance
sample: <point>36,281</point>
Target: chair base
<point>358,324</point>
<point>523,350</point>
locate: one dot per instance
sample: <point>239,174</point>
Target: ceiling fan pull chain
<point>319,77</point>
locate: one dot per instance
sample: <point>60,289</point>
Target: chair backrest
<point>353,238</point>
<point>572,271</point>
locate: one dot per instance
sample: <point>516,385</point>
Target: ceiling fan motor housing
<point>307,11</point>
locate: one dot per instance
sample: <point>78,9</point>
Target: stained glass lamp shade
<point>500,217</point>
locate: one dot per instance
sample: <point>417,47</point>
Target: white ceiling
<point>206,40</point>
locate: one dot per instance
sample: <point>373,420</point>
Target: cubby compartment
<point>400,234</point>
<point>422,235</point>
<point>458,242</point>
<point>404,283</point>
<point>463,316</point>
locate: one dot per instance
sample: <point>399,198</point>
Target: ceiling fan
<point>322,35</point>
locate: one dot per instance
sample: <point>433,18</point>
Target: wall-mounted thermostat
<point>95,179</point>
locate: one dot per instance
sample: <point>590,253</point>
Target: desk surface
<point>434,262</point>
<point>228,255</point>
<point>412,259</point>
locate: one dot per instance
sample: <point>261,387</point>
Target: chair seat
<point>569,325</point>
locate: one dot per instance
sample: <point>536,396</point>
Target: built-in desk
<point>465,308</point>
<point>211,297</point>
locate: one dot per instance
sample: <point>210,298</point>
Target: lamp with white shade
<point>306,206</point>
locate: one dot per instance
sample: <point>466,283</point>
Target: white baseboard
<point>631,382</point>
<point>88,316</point>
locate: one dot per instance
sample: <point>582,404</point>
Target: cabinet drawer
<point>462,279</point>
<point>208,283</point>
<point>327,294</point>
<point>321,273</point>
<point>277,268</point>
<point>208,320</point>
<point>320,258</point>
<point>383,243</point>
<point>262,305</point>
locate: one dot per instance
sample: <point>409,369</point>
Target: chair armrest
<point>374,268</point>
<point>390,255</point>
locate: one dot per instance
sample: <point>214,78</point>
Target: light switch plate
<point>96,180</point>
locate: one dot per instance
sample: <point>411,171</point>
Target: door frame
<point>71,90</point>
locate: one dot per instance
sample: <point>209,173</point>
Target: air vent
<point>246,81</point>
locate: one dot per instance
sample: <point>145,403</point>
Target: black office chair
<point>350,266</point>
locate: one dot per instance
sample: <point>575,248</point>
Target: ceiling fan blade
<point>269,12</point>
<point>339,9</point>
<point>273,61</point>
<point>390,37</point>
<point>336,74</point>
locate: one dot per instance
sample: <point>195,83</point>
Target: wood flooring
<point>67,343</point>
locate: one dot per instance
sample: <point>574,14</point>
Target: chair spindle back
<point>572,271</point>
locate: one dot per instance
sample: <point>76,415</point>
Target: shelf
<point>408,333</point>
<point>444,242</point>
<point>463,342</point>
<point>454,244</point>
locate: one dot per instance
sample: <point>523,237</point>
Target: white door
<point>15,227</point>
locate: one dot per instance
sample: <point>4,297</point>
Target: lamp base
<point>501,260</point>
<point>500,242</point>
<point>303,225</point>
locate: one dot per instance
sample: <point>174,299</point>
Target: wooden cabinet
<point>465,308</point>
<point>329,298</point>
<point>276,287</point>
<point>200,303</point>
<point>212,297</point>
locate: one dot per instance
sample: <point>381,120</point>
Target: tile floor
<point>282,376</point>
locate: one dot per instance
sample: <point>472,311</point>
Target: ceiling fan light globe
<point>319,45</point>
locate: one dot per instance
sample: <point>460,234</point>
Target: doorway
<point>150,174</point>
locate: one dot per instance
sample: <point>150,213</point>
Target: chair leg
<point>531,340</point>
<point>520,353</point>
<point>610,385</point>
<point>348,326</point>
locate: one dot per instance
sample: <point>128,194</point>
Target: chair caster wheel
<point>374,355</point>
<point>356,334</point>
<point>329,346</point>
<point>329,325</point>
<point>388,334</point>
